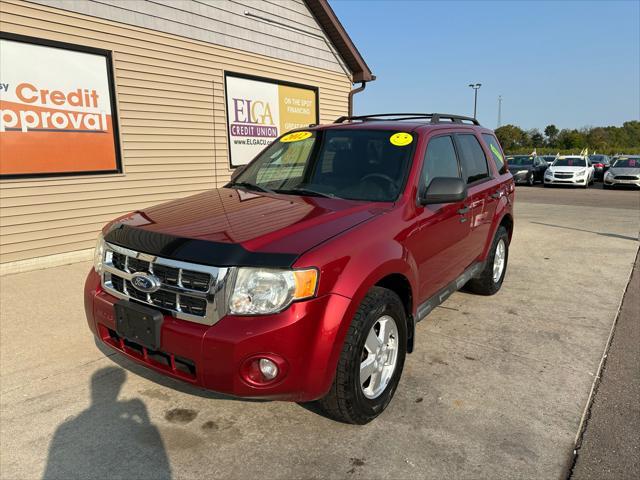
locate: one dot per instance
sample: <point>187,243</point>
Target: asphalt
<point>496,387</point>
<point>610,445</point>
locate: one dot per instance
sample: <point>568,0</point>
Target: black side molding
<point>216,254</point>
<point>426,307</point>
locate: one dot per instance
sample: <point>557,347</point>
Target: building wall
<point>248,25</point>
<point>173,140</point>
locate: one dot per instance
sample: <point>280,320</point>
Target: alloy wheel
<point>499,260</point>
<point>379,357</point>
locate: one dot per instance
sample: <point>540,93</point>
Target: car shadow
<point>604,234</point>
<point>110,439</point>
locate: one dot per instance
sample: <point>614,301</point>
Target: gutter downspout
<point>362,86</point>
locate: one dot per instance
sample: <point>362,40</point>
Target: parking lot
<point>496,387</point>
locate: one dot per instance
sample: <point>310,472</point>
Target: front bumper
<point>303,336</point>
<point>613,182</point>
<point>521,178</point>
<point>573,181</point>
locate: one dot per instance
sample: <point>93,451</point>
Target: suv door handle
<point>464,210</point>
<point>496,195</point>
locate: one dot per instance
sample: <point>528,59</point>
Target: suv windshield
<point>520,160</point>
<point>627,163</point>
<point>570,162</point>
<point>354,164</point>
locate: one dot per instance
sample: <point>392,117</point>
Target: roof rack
<point>434,118</point>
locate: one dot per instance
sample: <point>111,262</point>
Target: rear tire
<point>349,400</point>
<point>487,283</point>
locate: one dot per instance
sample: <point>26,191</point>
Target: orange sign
<point>55,111</point>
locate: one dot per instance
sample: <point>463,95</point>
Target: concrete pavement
<point>495,389</point>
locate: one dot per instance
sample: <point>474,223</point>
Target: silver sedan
<point>624,171</point>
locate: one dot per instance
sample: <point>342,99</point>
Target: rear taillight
<point>599,165</point>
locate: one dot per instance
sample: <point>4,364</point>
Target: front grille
<point>564,175</point>
<point>625,177</point>
<point>187,291</point>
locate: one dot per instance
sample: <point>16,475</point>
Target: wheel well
<point>399,284</point>
<point>507,222</point>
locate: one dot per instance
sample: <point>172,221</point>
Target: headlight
<point>520,172</point>
<point>580,173</point>
<point>548,173</point>
<point>264,290</point>
<point>608,174</point>
<point>98,254</point>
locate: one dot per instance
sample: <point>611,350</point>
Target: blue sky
<point>571,63</point>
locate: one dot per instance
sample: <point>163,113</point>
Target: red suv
<point>304,277</point>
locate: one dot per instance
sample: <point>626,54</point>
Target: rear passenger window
<point>496,152</point>
<point>473,161</point>
<point>440,160</point>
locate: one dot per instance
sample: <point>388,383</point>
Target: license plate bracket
<point>138,323</point>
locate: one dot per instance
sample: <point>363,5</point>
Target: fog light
<point>262,371</point>
<point>268,369</point>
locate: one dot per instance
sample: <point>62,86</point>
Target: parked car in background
<point>526,169</point>
<point>303,278</point>
<point>601,164</point>
<point>623,171</point>
<point>572,170</point>
<point>549,159</point>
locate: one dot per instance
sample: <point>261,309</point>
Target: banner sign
<point>56,110</point>
<point>260,109</point>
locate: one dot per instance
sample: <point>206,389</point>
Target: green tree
<point>537,140</point>
<point>571,139</point>
<point>551,131</point>
<point>511,137</point>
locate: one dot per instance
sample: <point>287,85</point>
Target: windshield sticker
<point>401,139</point>
<point>496,152</point>
<point>295,136</point>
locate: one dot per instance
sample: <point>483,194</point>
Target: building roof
<point>340,39</point>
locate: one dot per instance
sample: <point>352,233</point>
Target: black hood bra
<point>204,252</point>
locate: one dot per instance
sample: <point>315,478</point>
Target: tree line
<point>607,140</point>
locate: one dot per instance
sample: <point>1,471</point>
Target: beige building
<point>109,106</point>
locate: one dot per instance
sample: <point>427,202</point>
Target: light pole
<point>476,87</point>
<point>499,110</point>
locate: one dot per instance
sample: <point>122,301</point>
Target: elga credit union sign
<point>56,109</point>
<point>260,109</point>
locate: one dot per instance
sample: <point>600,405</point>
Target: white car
<point>575,170</point>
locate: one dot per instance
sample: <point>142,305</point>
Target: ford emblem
<point>145,282</point>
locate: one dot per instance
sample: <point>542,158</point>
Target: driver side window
<point>440,160</point>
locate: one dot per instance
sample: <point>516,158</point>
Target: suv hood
<point>257,222</point>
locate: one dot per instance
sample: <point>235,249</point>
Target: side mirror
<point>444,190</point>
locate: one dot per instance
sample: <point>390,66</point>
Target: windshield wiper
<point>306,191</point>
<point>251,186</point>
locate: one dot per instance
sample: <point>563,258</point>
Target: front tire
<point>490,279</point>
<point>531,180</point>
<point>371,361</point>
